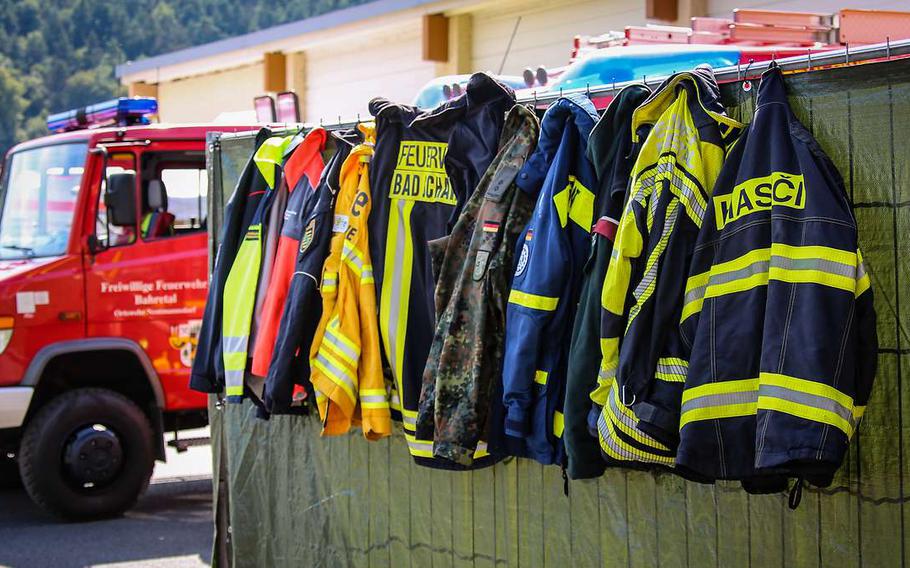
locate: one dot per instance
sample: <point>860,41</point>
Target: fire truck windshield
<point>39,192</point>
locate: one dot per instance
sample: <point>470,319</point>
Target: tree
<point>11,104</point>
<point>59,54</point>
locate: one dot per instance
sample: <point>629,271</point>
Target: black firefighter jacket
<point>778,311</point>
<point>425,166</point>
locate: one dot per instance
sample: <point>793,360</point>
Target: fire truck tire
<point>87,454</point>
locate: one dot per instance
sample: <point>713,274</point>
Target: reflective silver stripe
<point>617,416</point>
<point>336,373</point>
<point>629,450</point>
<point>409,420</point>
<point>695,294</point>
<point>606,437</point>
<point>647,281</point>
<point>373,398</point>
<point>820,264</point>
<point>396,289</point>
<point>724,399</point>
<point>669,366</point>
<point>645,187</point>
<point>332,337</point>
<point>860,270</point>
<point>692,198</point>
<point>234,344</point>
<point>233,378</point>
<point>611,400</point>
<point>815,401</point>
<point>353,260</point>
<point>672,371</point>
<point>367,274</point>
<point>416,445</point>
<point>652,205</point>
<point>757,267</point>
<point>606,374</point>
<point>352,256</point>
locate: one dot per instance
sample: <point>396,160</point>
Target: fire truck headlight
<point>6,332</point>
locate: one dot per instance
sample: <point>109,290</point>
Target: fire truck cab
<point>103,278</point>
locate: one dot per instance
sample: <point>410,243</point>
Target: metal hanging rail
<point>278,129</point>
<point>809,62</point>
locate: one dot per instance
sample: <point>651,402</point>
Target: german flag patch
<point>490,227</point>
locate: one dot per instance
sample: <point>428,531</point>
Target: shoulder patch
<point>308,233</point>
<point>341,224</point>
<point>480,265</point>
<point>522,260</point>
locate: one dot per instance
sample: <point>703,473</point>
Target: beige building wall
<point>342,76</point>
<point>202,98</point>
<point>545,31</point>
<point>338,73</point>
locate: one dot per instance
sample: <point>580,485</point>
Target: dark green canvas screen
<point>287,497</point>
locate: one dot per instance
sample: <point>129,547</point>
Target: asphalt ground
<point>170,527</point>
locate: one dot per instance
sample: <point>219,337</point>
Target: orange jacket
<point>346,369</point>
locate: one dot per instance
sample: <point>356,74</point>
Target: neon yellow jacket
<point>346,367</point>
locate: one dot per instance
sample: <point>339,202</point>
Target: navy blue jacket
<point>551,255</point>
<point>303,306</point>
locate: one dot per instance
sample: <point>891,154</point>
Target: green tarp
<point>289,498</point>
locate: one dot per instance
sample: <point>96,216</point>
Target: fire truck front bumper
<point>14,403</point>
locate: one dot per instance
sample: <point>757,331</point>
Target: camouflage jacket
<point>463,373</point>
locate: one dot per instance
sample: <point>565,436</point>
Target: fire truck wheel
<point>87,454</point>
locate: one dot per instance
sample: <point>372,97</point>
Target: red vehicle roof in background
<point>147,131</point>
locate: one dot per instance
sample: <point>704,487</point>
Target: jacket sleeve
<point>207,373</point>
<point>627,247</point>
<point>374,398</point>
<point>867,339</point>
<point>302,311</point>
<point>539,281</point>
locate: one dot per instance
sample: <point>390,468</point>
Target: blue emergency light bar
<point>125,111</point>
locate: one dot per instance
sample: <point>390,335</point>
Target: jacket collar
<point>699,82</point>
<point>303,154</point>
<point>607,136</point>
<point>772,89</point>
<point>572,111</point>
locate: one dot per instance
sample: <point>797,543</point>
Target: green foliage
<point>60,54</point>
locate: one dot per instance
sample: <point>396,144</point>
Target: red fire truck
<point>103,261</point>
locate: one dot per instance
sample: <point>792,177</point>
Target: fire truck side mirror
<point>120,199</point>
<point>94,244</point>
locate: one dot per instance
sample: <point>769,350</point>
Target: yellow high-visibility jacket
<point>640,381</point>
<point>346,368</point>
